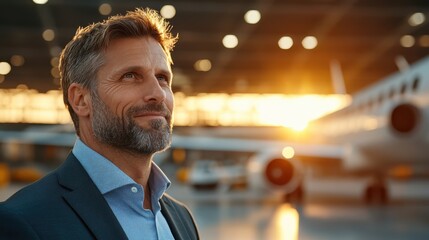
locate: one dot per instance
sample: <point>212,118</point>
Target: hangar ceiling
<point>363,36</point>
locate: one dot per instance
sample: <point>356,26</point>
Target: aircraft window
<point>403,89</point>
<point>415,85</point>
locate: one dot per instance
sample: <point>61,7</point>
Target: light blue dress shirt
<point>125,196</point>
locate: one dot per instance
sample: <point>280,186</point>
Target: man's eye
<point>162,78</point>
<point>128,75</point>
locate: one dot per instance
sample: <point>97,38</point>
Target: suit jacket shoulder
<point>65,204</point>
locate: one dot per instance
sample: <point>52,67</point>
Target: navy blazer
<point>66,204</point>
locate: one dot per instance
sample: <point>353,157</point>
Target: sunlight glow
<point>290,111</point>
<point>286,223</point>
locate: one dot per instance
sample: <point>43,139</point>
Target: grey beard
<point>125,133</point>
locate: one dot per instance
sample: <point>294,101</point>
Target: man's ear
<point>79,99</point>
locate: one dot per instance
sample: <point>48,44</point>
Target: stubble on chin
<point>125,133</point>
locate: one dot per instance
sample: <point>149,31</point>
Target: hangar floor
<point>328,212</point>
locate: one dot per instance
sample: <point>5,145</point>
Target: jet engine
<point>273,172</point>
<point>405,118</point>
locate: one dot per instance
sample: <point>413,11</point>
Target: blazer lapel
<point>174,220</point>
<point>87,201</point>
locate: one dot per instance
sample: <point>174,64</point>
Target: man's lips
<point>151,115</point>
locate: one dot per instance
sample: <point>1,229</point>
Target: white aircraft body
<point>385,126</point>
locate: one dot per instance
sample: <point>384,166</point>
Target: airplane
<point>385,129</point>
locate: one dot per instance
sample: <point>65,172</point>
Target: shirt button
<point>134,189</point>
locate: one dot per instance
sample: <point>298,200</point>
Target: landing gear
<point>376,192</point>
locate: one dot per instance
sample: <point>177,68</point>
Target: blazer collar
<point>87,201</point>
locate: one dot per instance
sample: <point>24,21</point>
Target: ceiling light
<point>55,72</point>
<point>407,41</point>
<point>48,35</point>
<point>230,41</point>
<point>168,11</point>
<point>55,51</point>
<point>424,41</point>
<point>40,1</point>
<point>416,19</point>
<point>17,60</point>
<point>4,68</point>
<point>309,42</point>
<point>55,61</point>
<point>252,16</point>
<point>285,42</point>
<point>203,65</point>
<point>105,9</point>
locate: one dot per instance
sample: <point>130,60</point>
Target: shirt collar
<point>108,177</point>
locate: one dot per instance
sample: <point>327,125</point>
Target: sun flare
<point>290,111</point>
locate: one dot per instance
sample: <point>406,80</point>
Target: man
<point>116,80</point>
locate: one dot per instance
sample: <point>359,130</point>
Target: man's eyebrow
<point>121,70</point>
<point>166,72</point>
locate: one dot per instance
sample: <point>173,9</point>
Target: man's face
<point>133,109</point>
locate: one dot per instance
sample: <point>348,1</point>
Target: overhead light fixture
<point>416,19</point>
<point>424,41</point>
<point>407,41</point>
<point>48,35</point>
<point>252,16</point>
<point>203,65</point>
<point>5,68</point>
<point>105,9</point>
<point>55,72</point>
<point>168,11</point>
<point>55,51</point>
<point>309,42</point>
<point>17,60</point>
<point>40,1</point>
<point>285,42</point>
<point>230,41</point>
<point>55,61</point>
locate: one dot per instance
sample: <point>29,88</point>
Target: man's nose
<point>154,91</point>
